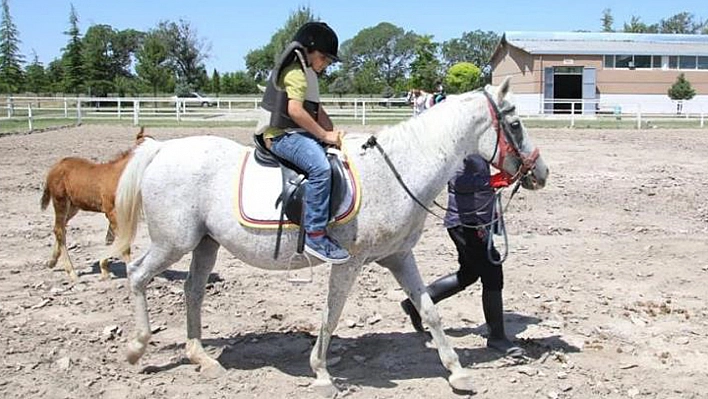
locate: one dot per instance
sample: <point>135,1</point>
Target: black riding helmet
<point>318,36</point>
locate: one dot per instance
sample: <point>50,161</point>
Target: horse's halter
<point>507,145</point>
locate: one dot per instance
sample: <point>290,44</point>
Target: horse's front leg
<point>341,279</point>
<point>405,270</point>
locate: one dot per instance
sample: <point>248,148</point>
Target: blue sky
<point>234,27</point>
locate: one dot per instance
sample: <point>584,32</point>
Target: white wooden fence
<point>246,109</point>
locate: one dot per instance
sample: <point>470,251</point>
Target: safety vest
<point>275,98</point>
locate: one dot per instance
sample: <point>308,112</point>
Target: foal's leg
<point>103,263</point>
<point>406,272</point>
<point>140,272</point>
<point>63,212</point>
<point>341,279</point>
<point>203,260</point>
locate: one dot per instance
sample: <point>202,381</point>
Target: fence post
<point>78,111</point>
<point>355,108</point>
<point>702,116</point>
<point>29,117</point>
<point>136,112</point>
<point>572,114</point>
<point>66,109</point>
<point>9,107</point>
<point>119,118</point>
<point>177,109</point>
<point>639,116</point>
<point>363,112</point>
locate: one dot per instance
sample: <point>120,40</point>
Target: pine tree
<point>72,60</point>
<point>681,90</point>
<point>11,76</point>
<point>36,77</point>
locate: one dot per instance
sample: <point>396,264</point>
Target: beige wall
<point>527,73</point>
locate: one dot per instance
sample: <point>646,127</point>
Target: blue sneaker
<point>326,249</point>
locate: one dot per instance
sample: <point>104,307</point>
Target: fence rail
<point>26,112</point>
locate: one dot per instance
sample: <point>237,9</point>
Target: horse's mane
<point>428,130</point>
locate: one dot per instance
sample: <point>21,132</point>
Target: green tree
<point>186,52</point>
<point>11,76</point>
<point>607,20</point>
<point>152,66</point>
<point>215,82</point>
<point>680,23</point>
<point>681,90</point>
<point>259,62</point>
<point>36,79</point>
<point>73,74</point>
<point>368,79</point>
<point>382,52</point>
<point>463,77</point>
<point>636,25</point>
<point>341,85</point>
<point>55,75</point>
<point>239,82</point>
<point>98,64</point>
<point>475,47</point>
<point>425,68</point>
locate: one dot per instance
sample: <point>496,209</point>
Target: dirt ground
<point>605,288</point>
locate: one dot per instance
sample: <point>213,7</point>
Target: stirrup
<point>298,280</point>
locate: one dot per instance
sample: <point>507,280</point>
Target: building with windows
<point>590,72</point>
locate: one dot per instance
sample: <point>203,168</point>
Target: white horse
<point>185,188</point>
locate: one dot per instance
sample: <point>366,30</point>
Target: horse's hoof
<point>213,371</point>
<point>135,351</point>
<point>325,388</point>
<point>50,264</point>
<point>462,381</point>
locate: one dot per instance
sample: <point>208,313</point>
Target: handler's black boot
<point>494,315</point>
<point>438,290</point>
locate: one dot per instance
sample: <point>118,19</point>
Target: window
<point>687,62</point>
<point>673,62</point>
<point>702,62</point>
<point>656,62</point>
<point>609,61</point>
<point>642,61</point>
<point>622,61</point>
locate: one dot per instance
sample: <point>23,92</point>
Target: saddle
<point>294,184</point>
<point>294,181</point>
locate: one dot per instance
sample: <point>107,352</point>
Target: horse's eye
<point>516,125</point>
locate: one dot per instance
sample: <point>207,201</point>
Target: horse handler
<point>468,220</point>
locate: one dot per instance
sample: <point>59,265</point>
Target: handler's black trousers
<point>471,246</point>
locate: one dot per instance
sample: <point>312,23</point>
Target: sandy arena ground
<point>605,288</point>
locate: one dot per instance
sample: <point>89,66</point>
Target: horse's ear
<point>503,89</point>
<point>141,135</point>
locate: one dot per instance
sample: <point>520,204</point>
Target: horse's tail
<point>128,199</point>
<point>46,196</point>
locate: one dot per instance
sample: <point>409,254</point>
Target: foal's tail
<point>128,199</point>
<point>45,197</point>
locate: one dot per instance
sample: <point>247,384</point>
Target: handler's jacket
<point>470,195</point>
<point>292,78</point>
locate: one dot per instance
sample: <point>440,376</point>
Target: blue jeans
<point>305,152</point>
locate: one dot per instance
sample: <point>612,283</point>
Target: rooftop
<point>593,43</point>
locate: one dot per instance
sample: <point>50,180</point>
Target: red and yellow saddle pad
<point>258,187</point>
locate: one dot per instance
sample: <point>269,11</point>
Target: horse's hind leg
<point>63,212</point>
<point>341,279</point>
<point>140,272</point>
<point>203,260</point>
<point>406,272</point>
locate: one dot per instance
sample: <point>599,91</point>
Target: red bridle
<point>504,148</point>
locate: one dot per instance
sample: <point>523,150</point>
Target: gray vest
<point>275,98</point>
